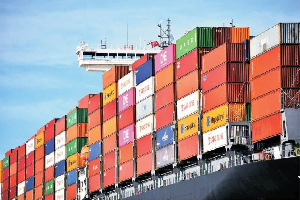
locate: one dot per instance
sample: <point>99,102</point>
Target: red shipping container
<point>21,176</point>
<point>109,160</point>
<point>29,171</point>
<point>13,169</point>
<point>13,192</point>
<point>164,96</point>
<point>5,195</point>
<point>164,77</point>
<point>13,180</point>
<point>21,197</point>
<point>29,195</point>
<point>95,103</point>
<point>77,131</point>
<point>8,153</point>
<point>113,75</point>
<point>42,129</point>
<point>109,143</point>
<point>5,184</point>
<point>38,192</point>
<point>187,64</point>
<point>14,156</point>
<point>266,128</point>
<point>94,183</point>
<point>49,174</point>
<point>110,110</point>
<point>144,145</point>
<point>30,158</point>
<point>144,164</point>
<point>109,177</point>
<point>165,116</point>
<point>126,171</point>
<point>60,125</point>
<point>72,192</point>
<point>84,102</point>
<point>22,151</point>
<point>95,119</point>
<point>49,132</point>
<point>5,173</point>
<point>127,117</point>
<point>126,153</point>
<point>94,167</point>
<point>40,153</point>
<point>228,52</point>
<point>188,147</point>
<point>39,179</point>
<point>39,166</point>
<point>290,77</point>
<point>142,60</point>
<point>95,134</point>
<point>187,84</point>
<point>21,163</point>
<point>49,197</point>
<point>222,35</point>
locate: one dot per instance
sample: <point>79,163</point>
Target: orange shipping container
<point>188,147</point>
<point>109,177</point>
<point>39,166</point>
<point>110,126</point>
<point>21,197</point>
<point>188,84</point>
<point>126,171</point>
<point>114,74</point>
<point>40,152</point>
<point>29,194</point>
<point>72,192</point>
<point>38,192</point>
<point>239,34</point>
<point>109,160</point>
<point>13,168</point>
<point>164,77</point>
<point>77,131</point>
<point>74,162</point>
<point>144,164</point>
<point>125,153</point>
<point>95,134</point>
<point>109,143</point>
<point>39,179</point>
<point>13,180</point>
<point>22,151</point>
<point>95,119</point>
<point>266,128</point>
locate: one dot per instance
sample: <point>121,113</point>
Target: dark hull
<point>274,179</point>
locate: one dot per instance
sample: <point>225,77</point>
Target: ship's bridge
<point>99,58</point>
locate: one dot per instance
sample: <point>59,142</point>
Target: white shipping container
<point>215,139</point>
<point>49,160</point>
<point>60,154</point>
<point>60,195</point>
<point>165,156</point>
<point>126,83</point>
<point>21,188</point>
<point>30,146</point>
<point>145,126</point>
<point>59,182</point>
<point>60,140</point>
<point>145,89</point>
<point>145,108</point>
<point>188,105</point>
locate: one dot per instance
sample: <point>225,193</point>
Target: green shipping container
<point>79,115</point>
<point>75,146</point>
<point>49,187</point>
<point>198,37</point>
<point>6,162</point>
<point>248,112</point>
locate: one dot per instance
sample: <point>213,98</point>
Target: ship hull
<point>274,179</point>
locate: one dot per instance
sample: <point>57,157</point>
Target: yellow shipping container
<point>234,112</point>
<point>1,168</point>
<point>188,126</point>
<point>74,162</point>
<point>110,126</point>
<point>40,139</point>
<point>110,93</point>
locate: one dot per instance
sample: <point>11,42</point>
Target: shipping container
<point>39,140</point>
<point>165,116</point>
<point>188,84</point>
<point>164,96</point>
<point>49,197</point>
<point>290,77</point>
<point>60,183</point>
<point>14,155</point>
<point>13,192</point>
<point>145,126</point>
<point>110,126</point>
<point>126,171</point>
<point>13,180</point>
<point>77,115</point>
<point>29,184</point>
<point>29,194</point>
<point>145,89</point>
<point>189,105</point>
<point>126,83</point>
<point>165,136</point>
<point>30,146</point>
<point>222,35</point>
<point>166,57</point>
<point>109,143</point>
<point>188,126</point>
<point>49,187</point>
<point>39,153</point>
<point>6,162</point>
<point>113,75</point>
<point>72,192</point>
<point>60,195</point>
<point>164,77</point>
<point>95,134</point>
<point>110,93</point>
<point>21,175</point>
<point>72,177</point>
<point>126,100</point>
<point>144,72</point>
<point>228,52</point>
<point>239,34</point>
<point>187,63</point>
<point>22,151</point>
<point>95,151</point>
<point>145,108</point>
<point>127,117</point>
<point>109,160</point>
<point>60,125</point>
<point>29,171</point>
<point>110,110</point>
<point>5,184</point>
<point>21,188</point>
<point>247,50</point>
<point>60,168</point>
<point>75,146</point>
<point>74,161</point>
<point>79,130</point>
<point>60,139</point>
<point>39,179</point>
<point>5,195</point>
<point>94,167</point>
<point>165,156</point>
<point>95,119</point>
<point>49,146</point>
<point>13,168</point>
<point>109,177</point>
<point>5,173</point>
<point>38,192</point>
<point>142,60</point>
<point>126,135</point>
<point>84,102</point>
<point>143,145</point>
<point>60,154</point>
<point>49,173</point>
<point>49,132</point>
<point>144,164</point>
<point>188,147</point>
<point>40,166</point>
<point>94,183</point>
<point>95,103</point>
<point>215,139</point>
<point>126,153</point>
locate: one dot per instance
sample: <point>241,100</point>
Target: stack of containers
<point>94,140</point>
<point>76,121</point>
<point>165,106</point>
<point>274,78</point>
<point>224,75</point>
<point>126,109</point>
<point>5,178</point>
<point>110,123</point>
<point>39,162</point>
<point>13,173</point>
<point>60,158</point>
<point>145,125</point>
<point>142,60</point>
<point>30,167</point>
<point>21,171</point>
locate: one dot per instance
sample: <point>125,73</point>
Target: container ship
<point>214,116</point>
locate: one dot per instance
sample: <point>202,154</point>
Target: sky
<point>39,74</point>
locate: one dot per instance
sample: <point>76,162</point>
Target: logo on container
<point>187,105</point>
<point>178,65</point>
<point>182,128</point>
<point>144,89</point>
<point>127,82</point>
<point>163,57</point>
<point>208,121</point>
<point>125,100</point>
<point>218,118</point>
<point>145,126</point>
<point>166,156</point>
<point>126,134</point>
<point>38,141</point>
<point>144,107</point>
<point>165,136</point>
<point>190,126</point>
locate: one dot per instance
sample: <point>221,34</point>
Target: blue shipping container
<point>164,137</point>
<point>247,50</point>
<point>72,177</point>
<point>94,151</point>
<point>145,108</point>
<point>50,146</point>
<point>144,71</point>
<point>29,184</point>
<point>60,168</point>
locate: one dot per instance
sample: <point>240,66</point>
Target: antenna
<point>231,23</point>
<point>165,34</point>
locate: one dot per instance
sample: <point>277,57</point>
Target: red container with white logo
<point>110,110</point>
<point>95,103</point>
<point>94,167</point>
